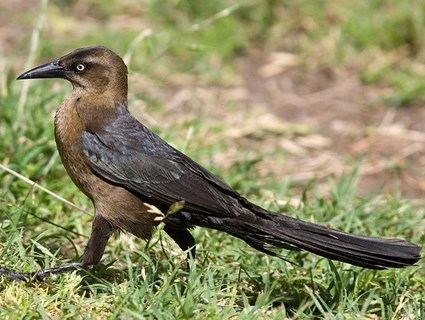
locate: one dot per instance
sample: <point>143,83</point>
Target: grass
<point>192,42</point>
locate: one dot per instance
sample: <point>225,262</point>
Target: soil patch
<point>350,122</point>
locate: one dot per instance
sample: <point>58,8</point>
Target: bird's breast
<point>119,206</point>
<point>68,131</point>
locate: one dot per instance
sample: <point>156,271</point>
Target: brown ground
<point>349,121</point>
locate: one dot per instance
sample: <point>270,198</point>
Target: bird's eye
<point>80,67</point>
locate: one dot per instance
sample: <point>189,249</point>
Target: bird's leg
<point>184,240</point>
<point>101,232</point>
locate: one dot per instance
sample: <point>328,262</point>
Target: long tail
<point>279,231</point>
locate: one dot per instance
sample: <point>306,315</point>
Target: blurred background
<point>304,90</point>
<point>315,108</point>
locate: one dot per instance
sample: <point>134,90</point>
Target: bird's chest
<point>120,207</point>
<point>68,131</point>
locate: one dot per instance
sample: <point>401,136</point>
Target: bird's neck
<point>95,109</point>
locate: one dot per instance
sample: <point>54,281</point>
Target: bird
<point>126,170</point>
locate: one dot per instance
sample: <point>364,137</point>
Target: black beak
<point>48,70</point>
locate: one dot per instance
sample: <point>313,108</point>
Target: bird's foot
<point>38,275</point>
<point>13,275</point>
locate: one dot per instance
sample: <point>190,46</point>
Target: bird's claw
<point>13,275</point>
<point>38,275</point>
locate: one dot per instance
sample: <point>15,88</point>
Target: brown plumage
<point>122,166</point>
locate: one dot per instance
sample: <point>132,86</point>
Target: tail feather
<point>275,230</point>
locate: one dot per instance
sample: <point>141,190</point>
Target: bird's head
<point>94,69</point>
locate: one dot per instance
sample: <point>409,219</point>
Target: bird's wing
<point>127,153</point>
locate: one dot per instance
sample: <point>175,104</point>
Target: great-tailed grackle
<point>124,169</point>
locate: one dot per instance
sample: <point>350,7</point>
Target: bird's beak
<point>48,70</point>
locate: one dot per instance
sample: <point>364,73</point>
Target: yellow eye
<point>80,67</point>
